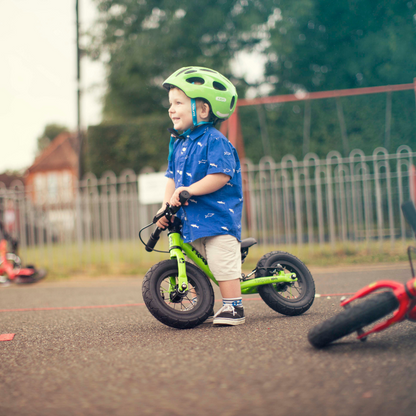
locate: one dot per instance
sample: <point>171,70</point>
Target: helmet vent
<point>196,80</point>
<point>183,70</point>
<point>190,71</point>
<point>219,86</point>
<point>232,102</point>
<point>209,70</point>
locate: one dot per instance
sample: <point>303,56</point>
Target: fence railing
<point>291,202</point>
<point>327,200</point>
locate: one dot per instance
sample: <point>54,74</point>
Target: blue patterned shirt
<point>203,152</point>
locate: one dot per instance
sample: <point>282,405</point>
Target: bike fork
<point>176,253</point>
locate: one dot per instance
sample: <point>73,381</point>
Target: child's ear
<point>205,110</point>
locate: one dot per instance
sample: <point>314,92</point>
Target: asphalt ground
<point>90,347</point>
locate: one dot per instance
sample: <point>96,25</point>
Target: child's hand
<point>174,200</point>
<point>162,222</point>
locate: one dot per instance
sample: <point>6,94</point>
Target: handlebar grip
<point>409,213</point>
<point>184,196</point>
<point>153,239</point>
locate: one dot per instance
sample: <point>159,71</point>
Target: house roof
<point>62,153</point>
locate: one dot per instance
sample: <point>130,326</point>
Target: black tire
<point>352,319</point>
<point>185,311</point>
<point>35,277</point>
<point>288,299</point>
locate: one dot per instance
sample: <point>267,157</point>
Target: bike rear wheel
<point>286,298</point>
<point>170,306</point>
<point>352,319</point>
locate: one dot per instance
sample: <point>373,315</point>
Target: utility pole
<point>79,132</point>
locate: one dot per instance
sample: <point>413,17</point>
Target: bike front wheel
<point>353,319</point>
<point>286,298</point>
<point>170,306</point>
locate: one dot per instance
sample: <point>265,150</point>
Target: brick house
<point>54,173</point>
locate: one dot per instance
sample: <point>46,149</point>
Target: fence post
<point>309,206</point>
<point>330,196</point>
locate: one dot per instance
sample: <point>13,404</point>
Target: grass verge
<point>128,258</point>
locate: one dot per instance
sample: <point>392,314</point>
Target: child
<point>203,162</point>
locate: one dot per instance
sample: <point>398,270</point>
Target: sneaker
<point>230,315</point>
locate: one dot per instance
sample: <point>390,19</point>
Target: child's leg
<point>199,245</point>
<point>223,254</point>
<point>230,288</point>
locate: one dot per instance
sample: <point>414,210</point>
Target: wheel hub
<point>176,296</point>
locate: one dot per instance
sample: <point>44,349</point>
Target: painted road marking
<point>6,337</point>
<point>61,308</point>
<point>334,294</point>
<point>58,308</point>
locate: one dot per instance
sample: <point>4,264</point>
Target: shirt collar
<point>198,132</point>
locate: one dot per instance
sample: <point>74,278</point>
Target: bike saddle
<point>248,242</point>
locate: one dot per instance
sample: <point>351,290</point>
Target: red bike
<point>399,298</point>
<point>11,269</point>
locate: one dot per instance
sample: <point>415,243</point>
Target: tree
<point>326,44</point>
<point>50,132</point>
<point>310,45</point>
<point>133,145</point>
<point>145,41</point>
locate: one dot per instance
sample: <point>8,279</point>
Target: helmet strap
<point>193,109</point>
<point>174,133</point>
<point>195,117</point>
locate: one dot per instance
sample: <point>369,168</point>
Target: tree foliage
<point>309,45</point>
<point>145,41</point>
<point>49,133</point>
<point>134,145</point>
<point>327,45</point>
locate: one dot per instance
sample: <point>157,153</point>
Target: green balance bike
<point>180,295</point>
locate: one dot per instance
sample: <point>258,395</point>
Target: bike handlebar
<point>169,212</point>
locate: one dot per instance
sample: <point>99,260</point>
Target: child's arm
<point>206,185</point>
<point>169,190</point>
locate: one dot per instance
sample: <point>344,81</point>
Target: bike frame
<point>178,249</point>
<point>7,268</point>
<point>405,294</point>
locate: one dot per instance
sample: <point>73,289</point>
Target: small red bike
<point>399,298</point>
<point>11,269</point>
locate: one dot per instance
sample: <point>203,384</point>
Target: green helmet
<point>197,82</point>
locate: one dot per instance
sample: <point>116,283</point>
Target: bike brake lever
<point>161,214</point>
<point>170,210</point>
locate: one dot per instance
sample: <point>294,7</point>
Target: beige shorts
<point>223,254</point>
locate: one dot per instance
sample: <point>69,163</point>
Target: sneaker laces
<point>226,308</point>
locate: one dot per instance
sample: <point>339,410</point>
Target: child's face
<point>180,110</point>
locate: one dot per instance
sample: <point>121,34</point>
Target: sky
<point>38,74</point>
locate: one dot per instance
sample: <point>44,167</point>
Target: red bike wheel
<point>350,320</point>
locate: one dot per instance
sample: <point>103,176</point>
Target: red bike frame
<point>405,294</point>
<point>6,267</point>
